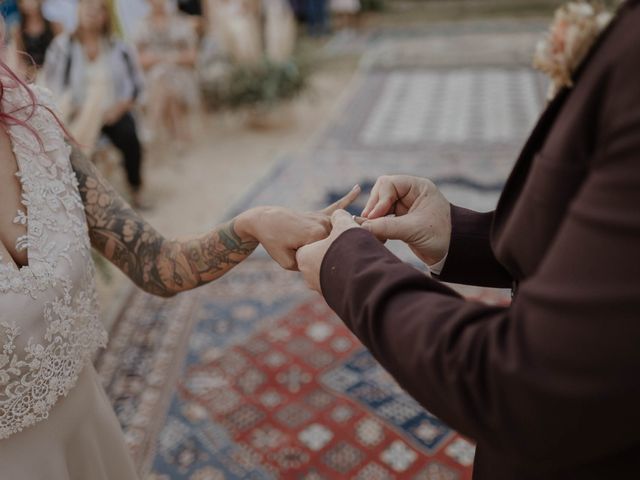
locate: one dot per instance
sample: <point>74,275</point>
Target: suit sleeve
<point>551,379</point>
<point>471,260</point>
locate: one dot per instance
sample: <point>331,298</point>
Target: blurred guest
<point>236,23</point>
<point>33,35</point>
<point>316,16</point>
<point>279,30</point>
<point>10,13</point>
<point>97,79</point>
<point>167,46</point>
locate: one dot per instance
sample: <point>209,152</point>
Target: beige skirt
<point>81,440</point>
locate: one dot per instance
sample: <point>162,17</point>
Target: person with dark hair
<point>98,80</point>
<point>32,35</point>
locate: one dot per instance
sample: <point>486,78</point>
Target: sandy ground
<point>193,189</point>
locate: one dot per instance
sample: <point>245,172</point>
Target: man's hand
<point>422,215</point>
<point>282,231</point>
<point>310,257</point>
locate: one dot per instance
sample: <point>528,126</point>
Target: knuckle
<point>319,232</point>
<point>325,223</point>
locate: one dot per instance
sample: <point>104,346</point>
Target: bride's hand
<point>282,231</point>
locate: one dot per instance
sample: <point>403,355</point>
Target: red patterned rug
<point>273,386</point>
<point>311,403</point>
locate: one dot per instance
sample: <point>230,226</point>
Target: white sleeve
<point>437,268</point>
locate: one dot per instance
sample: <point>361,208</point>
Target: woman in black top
<point>34,33</point>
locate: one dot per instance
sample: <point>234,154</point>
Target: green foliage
<point>261,86</point>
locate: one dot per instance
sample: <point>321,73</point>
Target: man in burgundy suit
<point>549,387</point>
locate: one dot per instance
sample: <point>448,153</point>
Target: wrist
<point>245,224</point>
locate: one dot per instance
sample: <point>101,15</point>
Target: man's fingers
<point>344,202</point>
<point>373,199</point>
<point>387,228</point>
<point>387,197</point>
<point>286,259</point>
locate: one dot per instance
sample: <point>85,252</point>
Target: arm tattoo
<point>159,266</point>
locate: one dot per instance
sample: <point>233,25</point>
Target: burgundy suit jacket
<point>549,387</point>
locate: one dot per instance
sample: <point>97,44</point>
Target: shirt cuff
<point>437,268</point>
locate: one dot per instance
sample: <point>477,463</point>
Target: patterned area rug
<point>253,377</point>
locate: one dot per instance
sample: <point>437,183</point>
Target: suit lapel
<point>520,172</point>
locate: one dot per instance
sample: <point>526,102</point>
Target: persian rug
<point>253,377</point>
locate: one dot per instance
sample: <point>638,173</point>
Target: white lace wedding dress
<point>55,420</point>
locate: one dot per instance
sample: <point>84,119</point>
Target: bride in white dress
<point>55,420</point>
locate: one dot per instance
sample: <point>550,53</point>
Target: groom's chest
<point>554,165</point>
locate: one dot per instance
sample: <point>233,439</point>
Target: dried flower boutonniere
<point>574,30</point>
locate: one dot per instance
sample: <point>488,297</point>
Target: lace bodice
<point>49,324</point>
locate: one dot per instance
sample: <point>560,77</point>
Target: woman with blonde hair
<point>55,419</point>
<point>98,80</point>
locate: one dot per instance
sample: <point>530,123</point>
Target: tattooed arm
<point>166,267</point>
<point>157,265</point>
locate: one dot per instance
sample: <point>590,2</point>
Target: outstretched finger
<point>344,202</point>
<point>372,201</point>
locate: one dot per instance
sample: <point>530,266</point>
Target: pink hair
<point>8,118</point>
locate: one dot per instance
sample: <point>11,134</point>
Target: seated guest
<point>167,46</point>
<point>32,36</point>
<point>279,30</point>
<point>97,79</point>
<point>237,26</point>
<point>548,385</point>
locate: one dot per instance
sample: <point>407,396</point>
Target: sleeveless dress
<point>56,422</point>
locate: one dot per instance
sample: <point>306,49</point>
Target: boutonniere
<point>574,30</point>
